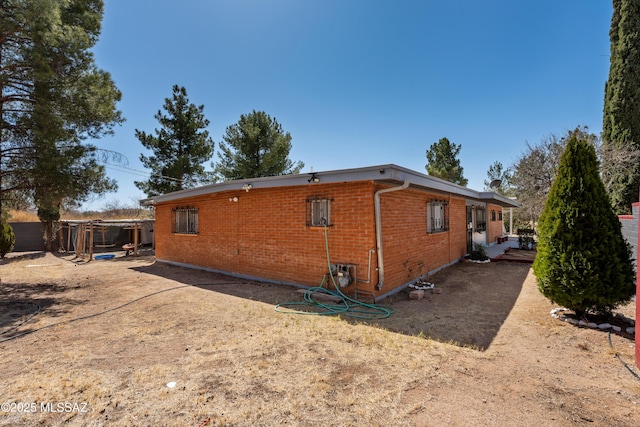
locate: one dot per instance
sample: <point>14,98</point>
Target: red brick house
<point>387,227</point>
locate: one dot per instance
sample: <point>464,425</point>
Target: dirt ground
<point>101,343</point>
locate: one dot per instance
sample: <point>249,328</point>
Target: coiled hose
<point>347,306</point>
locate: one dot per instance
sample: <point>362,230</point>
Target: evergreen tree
<point>498,172</point>
<point>7,238</point>
<point>52,98</point>
<point>621,118</point>
<point>256,146</point>
<point>180,147</point>
<point>583,262</point>
<point>443,162</point>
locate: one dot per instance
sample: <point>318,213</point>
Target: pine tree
<point>52,98</point>
<point>583,262</point>
<point>621,118</point>
<point>256,146</point>
<point>443,162</point>
<point>498,174</point>
<point>180,147</point>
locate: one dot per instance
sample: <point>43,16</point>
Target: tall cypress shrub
<point>583,261</point>
<point>622,98</point>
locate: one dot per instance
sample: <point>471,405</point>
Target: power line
<point>139,172</point>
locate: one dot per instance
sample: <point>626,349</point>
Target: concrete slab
<point>509,251</point>
<point>497,249</point>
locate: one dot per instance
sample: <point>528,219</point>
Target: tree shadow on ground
<point>23,305</point>
<point>265,292</point>
<point>469,304</point>
<point>144,252</point>
<point>22,256</point>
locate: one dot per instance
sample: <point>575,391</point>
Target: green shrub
<point>583,261</point>
<point>7,238</point>
<point>479,253</point>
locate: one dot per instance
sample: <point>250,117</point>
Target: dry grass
<point>237,362</point>
<point>129,213</point>
<point>23,216</point>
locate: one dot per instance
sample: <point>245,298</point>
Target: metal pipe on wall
<point>371,251</point>
<point>376,199</point>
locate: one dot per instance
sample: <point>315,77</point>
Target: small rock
<point>604,326</point>
<point>616,328</point>
<point>631,330</point>
<point>593,325</point>
<point>419,294</point>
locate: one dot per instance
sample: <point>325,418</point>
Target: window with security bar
<point>437,216</point>
<point>318,212</point>
<point>185,221</point>
<point>481,219</point>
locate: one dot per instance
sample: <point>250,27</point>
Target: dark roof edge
<point>388,172</point>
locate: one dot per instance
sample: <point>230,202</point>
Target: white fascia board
<point>388,172</point>
<point>346,175</point>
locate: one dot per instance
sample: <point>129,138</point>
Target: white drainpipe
<point>376,199</point>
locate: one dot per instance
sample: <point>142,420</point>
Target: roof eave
<point>499,199</point>
<point>380,173</point>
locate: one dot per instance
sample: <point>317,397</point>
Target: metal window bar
<point>438,216</point>
<point>481,219</point>
<point>185,221</point>
<point>320,212</point>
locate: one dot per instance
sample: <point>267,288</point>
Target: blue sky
<point>361,83</point>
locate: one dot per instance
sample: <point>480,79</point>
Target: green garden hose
<point>347,306</point>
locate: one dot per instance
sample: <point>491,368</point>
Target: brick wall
<point>409,251</point>
<point>265,234</point>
